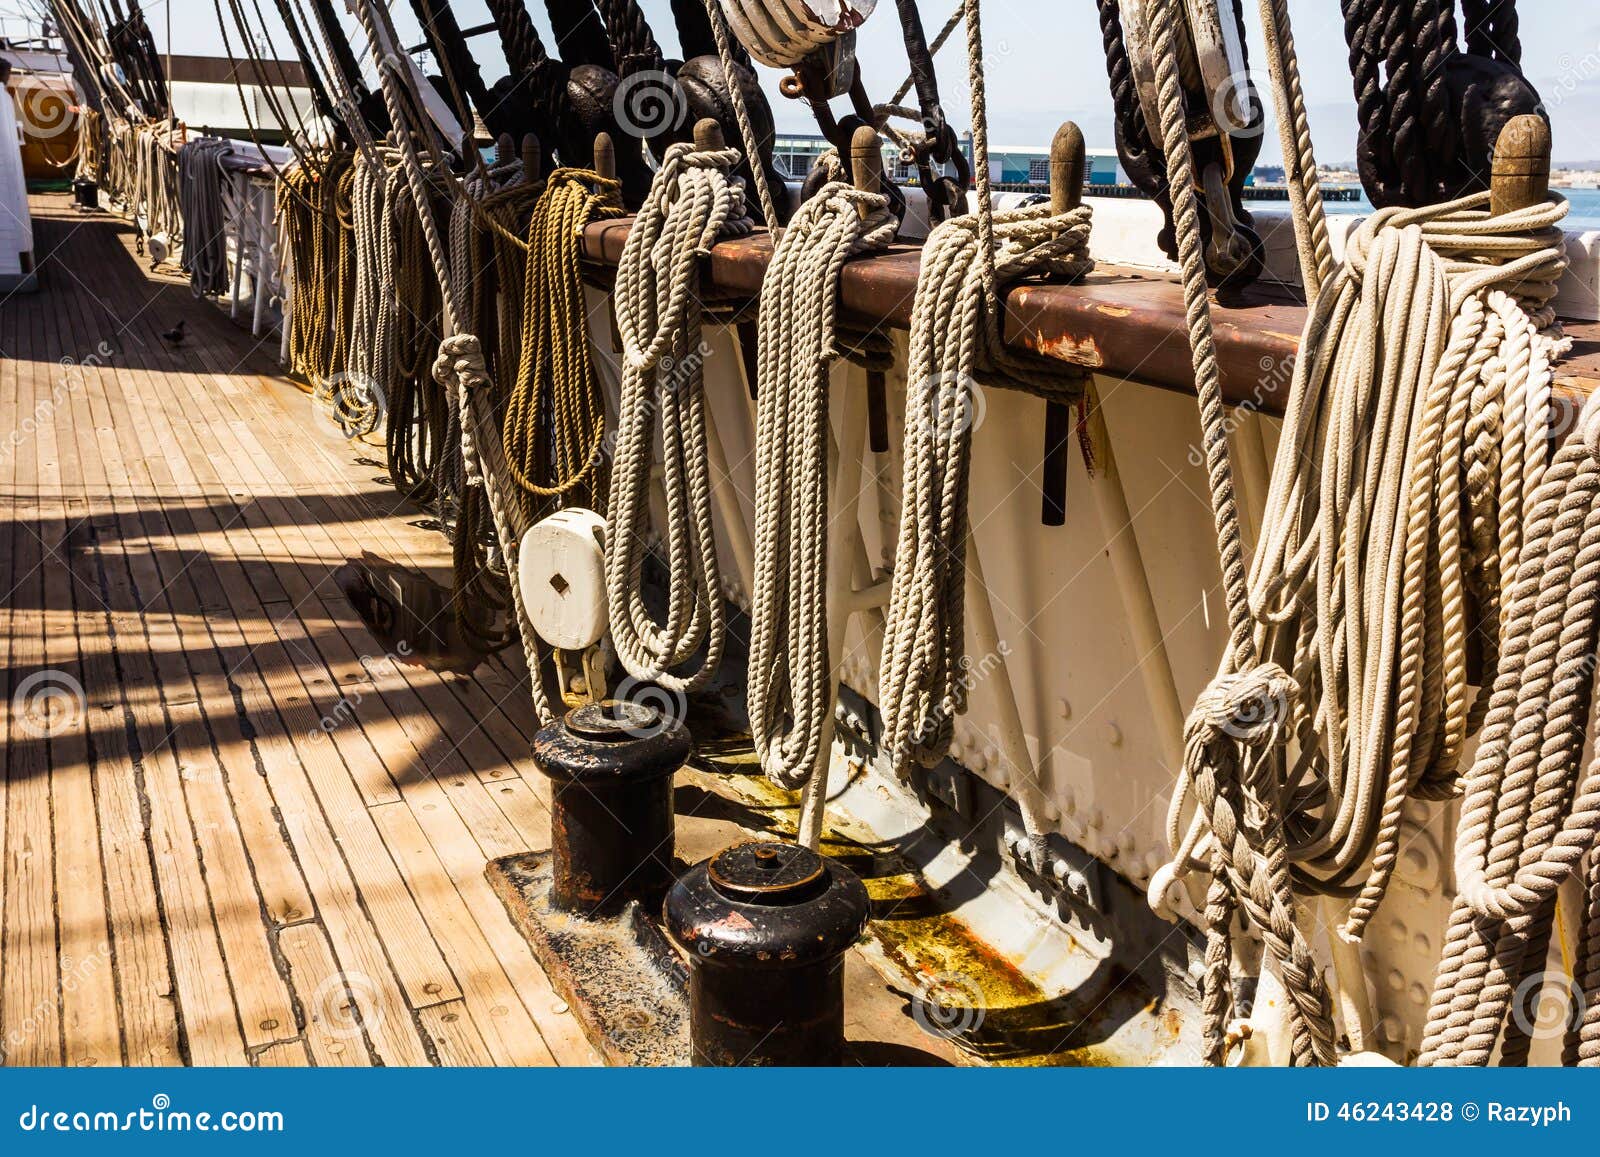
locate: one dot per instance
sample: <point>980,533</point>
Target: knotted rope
<point>694,200</point>
<point>1411,445</point>
<point>1230,766</point>
<point>790,688</point>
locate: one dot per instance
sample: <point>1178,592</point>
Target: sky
<point>1045,64</point>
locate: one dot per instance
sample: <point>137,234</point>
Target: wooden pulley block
<point>561,568</point>
<point>782,33</point>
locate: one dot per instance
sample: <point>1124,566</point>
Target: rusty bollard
<point>611,820</point>
<point>766,926</point>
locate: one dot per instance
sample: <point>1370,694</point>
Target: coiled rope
<point>205,249</point>
<point>790,683</point>
<point>956,339</point>
<point>313,211</point>
<point>459,367</point>
<point>1412,445</point>
<point>1529,818</point>
<point>555,421</point>
<point>694,201</point>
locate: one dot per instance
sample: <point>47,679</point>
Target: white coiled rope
<point>790,689</point>
<point>1529,818</point>
<point>956,333</point>
<point>1412,445</point>
<point>695,200</point>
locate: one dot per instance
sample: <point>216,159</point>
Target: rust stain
<point>735,922</point>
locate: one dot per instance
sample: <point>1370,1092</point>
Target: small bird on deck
<point>175,335</point>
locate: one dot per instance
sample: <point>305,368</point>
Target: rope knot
<point>460,363</point>
<point>1250,707</point>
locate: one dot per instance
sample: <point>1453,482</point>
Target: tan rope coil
<point>694,200</point>
<point>790,683</point>
<point>555,420</point>
<point>956,337</point>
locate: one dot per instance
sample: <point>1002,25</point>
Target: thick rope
<point>1231,737</point>
<point>1362,580</point>
<point>694,200</point>
<point>556,416</point>
<point>790,685</point>
<point>956,338</point>
<point>205,248</point>
<point>1529,818</point>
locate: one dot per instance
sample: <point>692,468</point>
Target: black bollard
<point>611,820</point>
<point>766,926</point>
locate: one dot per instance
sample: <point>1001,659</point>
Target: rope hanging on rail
<point>1233,738</point>
<point>790,680</point>
<point>694,201</point>
<point>957,342</point>
<point>555,421</point>
<point>205,250</point>
<point>1530,816</point>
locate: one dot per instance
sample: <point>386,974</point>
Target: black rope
<point>1432,93</point>
<point>580,34</point>
<point>449,47</point>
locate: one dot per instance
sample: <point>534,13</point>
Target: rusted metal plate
<point>1120,321</point>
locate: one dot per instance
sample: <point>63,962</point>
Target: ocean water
<point>1584,214</point>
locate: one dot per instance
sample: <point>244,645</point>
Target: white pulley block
<point>782,33</point>
<point>561,567</point>
<point>158,247</point>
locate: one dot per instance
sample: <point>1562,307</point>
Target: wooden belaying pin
<point>605,157</point>
<point>504,148</point>
<point>1067,160</point>
<point>1521,172</point>
<point>708,135</point>
<point>866,169</point>
<point>531,164</point>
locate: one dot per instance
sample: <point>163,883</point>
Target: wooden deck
<point>196,869</point>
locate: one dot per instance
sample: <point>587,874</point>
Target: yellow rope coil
<point>555,417</point>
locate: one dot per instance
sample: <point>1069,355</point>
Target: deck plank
<point>30,1010</point>
<point>143,973</point>
<point>176,533</point>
